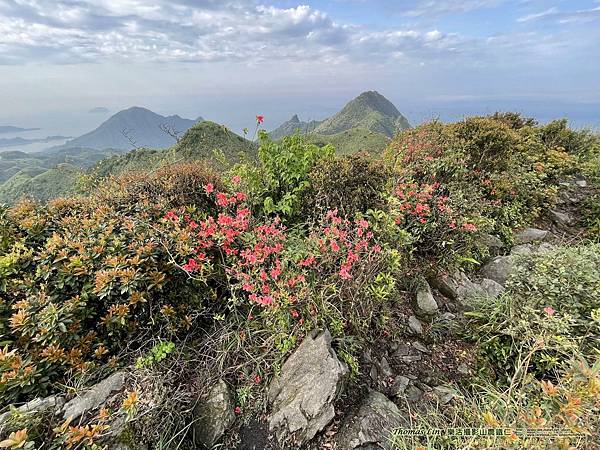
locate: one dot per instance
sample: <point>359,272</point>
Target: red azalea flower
<point>237,410</point>
<point>260,119</point>
<point>191,266</point>
<point>549,310</point>
<point>208,188</point>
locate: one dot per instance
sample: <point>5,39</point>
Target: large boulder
<point>457,286</point>
<point>426,303</point>
<point>529,235</point>
<point>93,397</point>
<point>213,415</point>
<point>498,269</point>
<point>302,397</point>
<point>372,426</point>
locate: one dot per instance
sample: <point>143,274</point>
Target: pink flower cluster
<point>345,242</point>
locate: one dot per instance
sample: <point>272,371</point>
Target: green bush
<point>281,177</point>
<point>86,277</point>
<point>549,313</point>
<point>350,184</point>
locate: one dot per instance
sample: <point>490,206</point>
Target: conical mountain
<point>133,127</point>
<point>204,141</point>
<point>370,111</point>
<point>294,125</point>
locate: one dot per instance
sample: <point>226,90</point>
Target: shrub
<point>502,174</point>
<point>277,184</point>
<point>349,184</point>
<point>549,313</point>
<point>86,277</point>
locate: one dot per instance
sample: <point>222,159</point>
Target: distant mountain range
<point>370,111</point>
<point>133,128</point>
<point>294,125</point>
<point>364,124</point>
<point>11,129</point>
<point>17,141</point>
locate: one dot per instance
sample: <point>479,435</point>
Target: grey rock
<point>420,347</point>
<point>529,235</point>
<point>457,286</point>
<point>491,241</point>
<point>213,415</point>
<point>425,301</point>
<point>413,394</point>
<point>372,426</point>
<point>35,406</point>
<point>445,394</point>
<point>448,316</point>
<point>94,396</point>
<point>498,269</point>
<point>411,358</point>
<point>399,386</point>
<point>403,350</point>
<point>581,183</point>
<point>415,325</point>
<point>491,288</point>
<point>385,368</point>
<point>373,373</point>
<point>561,218</point>
<point>302,397</point>
<point>524,249</point>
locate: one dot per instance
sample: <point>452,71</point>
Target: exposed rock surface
<point>561,218</point>
<point>415,325</point>
<point>529,235</point>
<point>372,426</point>
<point>498,269</point>
<point>302,397</point>
<point>426,302</point>
<point>213,415</point>
<point>94,396</point>
<point>492,288</point>
<point>37,405</point>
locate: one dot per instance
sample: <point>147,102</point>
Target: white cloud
<point>186,30</point>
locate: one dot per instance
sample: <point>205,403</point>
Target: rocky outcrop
<point>35,406</point>
<point>213,415</point>
<point>302,397</point>
<point>529,235</point>
<point>94,396</point>
<point>372,426</point>
<point>498,269</point>
<point>459,287</point>
<point>426,303</point>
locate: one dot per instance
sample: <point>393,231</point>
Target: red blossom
<point>191,266</point>
<point>260,119</point>
<point>209,187</point>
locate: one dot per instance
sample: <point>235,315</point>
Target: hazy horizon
<point>230,60</point>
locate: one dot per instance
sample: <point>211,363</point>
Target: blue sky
<point>230,59</point>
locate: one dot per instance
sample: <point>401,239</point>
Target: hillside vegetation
<point>200,288</point>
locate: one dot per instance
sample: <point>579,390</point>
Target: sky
<point>67,65</point>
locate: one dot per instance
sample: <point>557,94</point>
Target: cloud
<point>73,31</point>
<point>563,17</point>
<point>442,7</point>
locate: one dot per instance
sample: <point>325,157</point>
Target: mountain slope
<point>352,141</point>
<point>133,127</point>
<point>205,140</point>
<point>294,125</point>
<point>370,111</point>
